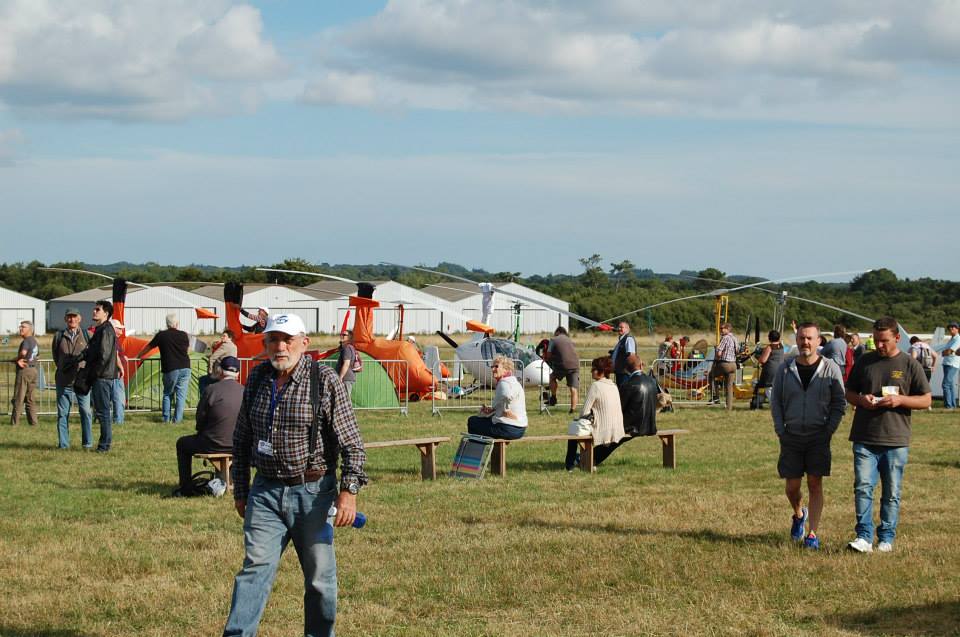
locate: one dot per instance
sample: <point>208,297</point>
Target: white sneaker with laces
<point>860,545</point>
<point>885,547</point>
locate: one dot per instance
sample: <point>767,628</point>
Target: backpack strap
<point>315,407</point>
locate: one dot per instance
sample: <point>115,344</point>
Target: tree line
<point>598,292</point>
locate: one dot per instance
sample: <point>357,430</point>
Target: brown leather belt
<point>310,476</point>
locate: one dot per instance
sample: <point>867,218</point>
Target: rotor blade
<point>793,278</point>
<point>741,287</point>
<point>834,307</point>
<point>320,274</point>
<point>650,307</point>
<point>582,319</point>
<point>73,271</point>
<point>446,274</point>
<point>109,278</point>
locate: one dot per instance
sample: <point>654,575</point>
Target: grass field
<point>90,544</point>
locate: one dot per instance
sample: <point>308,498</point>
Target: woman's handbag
<point>582,426</point>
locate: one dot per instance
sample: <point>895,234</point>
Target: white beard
<point>284,364</point>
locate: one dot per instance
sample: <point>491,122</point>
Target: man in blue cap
<point>216,418</point>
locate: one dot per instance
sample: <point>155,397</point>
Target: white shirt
<point>954,344</point>
<point>509,397</point>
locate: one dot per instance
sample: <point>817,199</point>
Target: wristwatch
<point>351,485</point>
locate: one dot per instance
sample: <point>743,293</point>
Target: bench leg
<point>669,452</point>
<point>586,455</point>
<point>498,458</point>
<point>428,461</point>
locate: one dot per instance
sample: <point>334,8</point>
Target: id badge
<point>264,448</point>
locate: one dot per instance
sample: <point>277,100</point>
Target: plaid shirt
<point>727,349</point>
<point>288,428</point>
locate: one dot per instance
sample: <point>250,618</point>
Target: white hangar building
<point>145,310</point>
<point>423,313</point>
<point>279,299</point>
<point>467,299</point>
<point>16,307</point>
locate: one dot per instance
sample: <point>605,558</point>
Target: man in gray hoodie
<point>807,406</point>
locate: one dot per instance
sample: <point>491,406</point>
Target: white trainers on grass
<point>885,547</point>
<point>860,545</point>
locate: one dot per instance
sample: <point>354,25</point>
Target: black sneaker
<point>552,401</point>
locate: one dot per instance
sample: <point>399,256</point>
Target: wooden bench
<point>426,446</point>
<point>669,439</point>
<point>221,462</point>
<point>498,459</point>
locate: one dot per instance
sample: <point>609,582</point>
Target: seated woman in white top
<point>507,418</point>
<point>603,399</point>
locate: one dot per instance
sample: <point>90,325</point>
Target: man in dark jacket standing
<point>216,419</point>
<point>638,401</point>
<point>807,406</point>
<point>68,347</point>
<point>102,365</point>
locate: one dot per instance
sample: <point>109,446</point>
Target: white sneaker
<point>860,545</point>
<point>885,547</point>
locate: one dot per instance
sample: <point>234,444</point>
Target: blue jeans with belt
<point>177,381</point>
<point>276,514</point>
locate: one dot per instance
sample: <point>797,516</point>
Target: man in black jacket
<point>216,419</point>
<point>638,401</point>
<point>102,365</point>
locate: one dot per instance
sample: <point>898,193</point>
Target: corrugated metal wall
<point>16,307</point>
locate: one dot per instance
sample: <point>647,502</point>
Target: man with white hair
<point>295,419</point>
<point>216,418</point>
<point>174,346</point>
<point>25,383</point>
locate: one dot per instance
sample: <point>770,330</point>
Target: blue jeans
<point>119,401</point>
<point>66,397</point>
<point>102,393</point>
<point>950,386</point>
<point>277,513</point>
<point>886,463</point>
<point>176,381</point>
<point>484,426</point>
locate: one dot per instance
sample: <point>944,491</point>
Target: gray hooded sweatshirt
<point>815,411</point>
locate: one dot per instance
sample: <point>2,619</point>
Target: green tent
<point>145,389</point>
<point>373,387</point>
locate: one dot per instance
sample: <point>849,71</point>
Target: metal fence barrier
<point>465,392</point>
<point>144,387</point>
<point>687,379</point>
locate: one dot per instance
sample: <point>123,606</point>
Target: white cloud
<point>676,57</point>
<point>136,59</point>
<point>863,184</point>
<point>10,139</point>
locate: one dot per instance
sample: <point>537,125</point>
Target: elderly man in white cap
<point>295,418</point>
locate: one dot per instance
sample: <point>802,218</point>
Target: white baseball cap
<point>287,323</point>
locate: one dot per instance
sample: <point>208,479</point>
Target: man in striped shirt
<point>295,484</point>
<point>725,363</point>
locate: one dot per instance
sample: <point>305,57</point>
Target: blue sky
<point>771,138</point>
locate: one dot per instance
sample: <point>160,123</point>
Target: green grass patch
<point>90,545</point>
